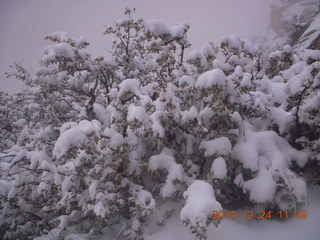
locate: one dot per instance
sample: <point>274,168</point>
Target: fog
<point>23,24</point>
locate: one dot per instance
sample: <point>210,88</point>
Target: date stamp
<point>259,215</point>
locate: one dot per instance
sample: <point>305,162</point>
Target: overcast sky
<point>24,23</point>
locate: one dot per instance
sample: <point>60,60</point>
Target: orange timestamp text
<point>259,215</point>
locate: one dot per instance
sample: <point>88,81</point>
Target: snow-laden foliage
<point>200,200</point>
<point>96,143</point>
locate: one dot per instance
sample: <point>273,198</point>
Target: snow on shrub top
<point>217,146</point>
<point>263,187</point>
<point>269,156</point>
<point>116,138</point>
<point>136,112</point>
<point>269,145</point>
<point>166,161</point>
<point>197,55</point>
<point>211,78</point>
<point>157,28</point>
<point>127,86</point>
<point>208,50</point>
<point>58,50</point>
<point>297,82</point>
<point>178,30</point>
<point>186,80</point>
<point>145,200</point>
<point>232,42</point>
<point>190,114</point>
<point>248,47</point>
<point>65,47</point>
<point>281,118</point>
<point>67,126</point>
<point>157,127</point>
<point>65,38</point>
<point>38,158</point>
<point>219,168</point>
<point>71,137</point>
<point>246,80</point>
<point>200,202</point>
<point>5,187</point>
<point>75,136</point>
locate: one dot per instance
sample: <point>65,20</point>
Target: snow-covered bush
<point>94,143</point>
<point>200,202</point>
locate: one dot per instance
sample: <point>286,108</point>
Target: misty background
<point>24,24</point>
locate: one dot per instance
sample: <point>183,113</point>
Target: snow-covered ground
<point>293,229</point>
